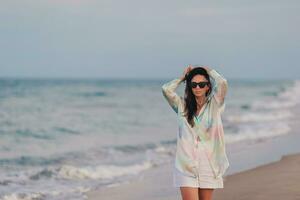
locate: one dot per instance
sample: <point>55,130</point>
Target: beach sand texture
<point>277,180</point>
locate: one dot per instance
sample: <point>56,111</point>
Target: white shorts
<point>205,177</point>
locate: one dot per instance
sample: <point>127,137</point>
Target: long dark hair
<point>190,107</point>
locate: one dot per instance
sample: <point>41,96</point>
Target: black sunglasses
<point>200,84</point>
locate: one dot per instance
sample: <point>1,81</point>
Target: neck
<point>200,100</point>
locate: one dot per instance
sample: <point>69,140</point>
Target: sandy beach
<point>277,180</point>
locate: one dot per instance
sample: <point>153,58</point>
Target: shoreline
<point>249,160</point>
<point>277,180</point>
<point>156,183</point>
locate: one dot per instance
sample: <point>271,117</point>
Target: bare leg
<point>205,193</point>
<point>189,193</point>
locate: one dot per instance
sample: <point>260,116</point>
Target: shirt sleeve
<point>168,90</point>
<point>219,88</point>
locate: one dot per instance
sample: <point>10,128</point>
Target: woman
<point>201,159</point>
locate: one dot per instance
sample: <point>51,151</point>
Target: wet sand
<point>277,180</point>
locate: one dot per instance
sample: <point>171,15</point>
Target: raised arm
<point>220,87</point>
<point>169,92</point>
<point>169,89</point>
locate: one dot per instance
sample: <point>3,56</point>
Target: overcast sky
<point>149,39</point>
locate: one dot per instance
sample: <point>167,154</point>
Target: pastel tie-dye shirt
<point>208,126</point>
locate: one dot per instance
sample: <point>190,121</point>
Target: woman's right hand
<point>186,71</point>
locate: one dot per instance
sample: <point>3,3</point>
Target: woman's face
<point>198,92</point>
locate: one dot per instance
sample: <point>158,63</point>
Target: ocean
<point>63,137</point>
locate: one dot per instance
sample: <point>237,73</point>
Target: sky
<point>149,39</point>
